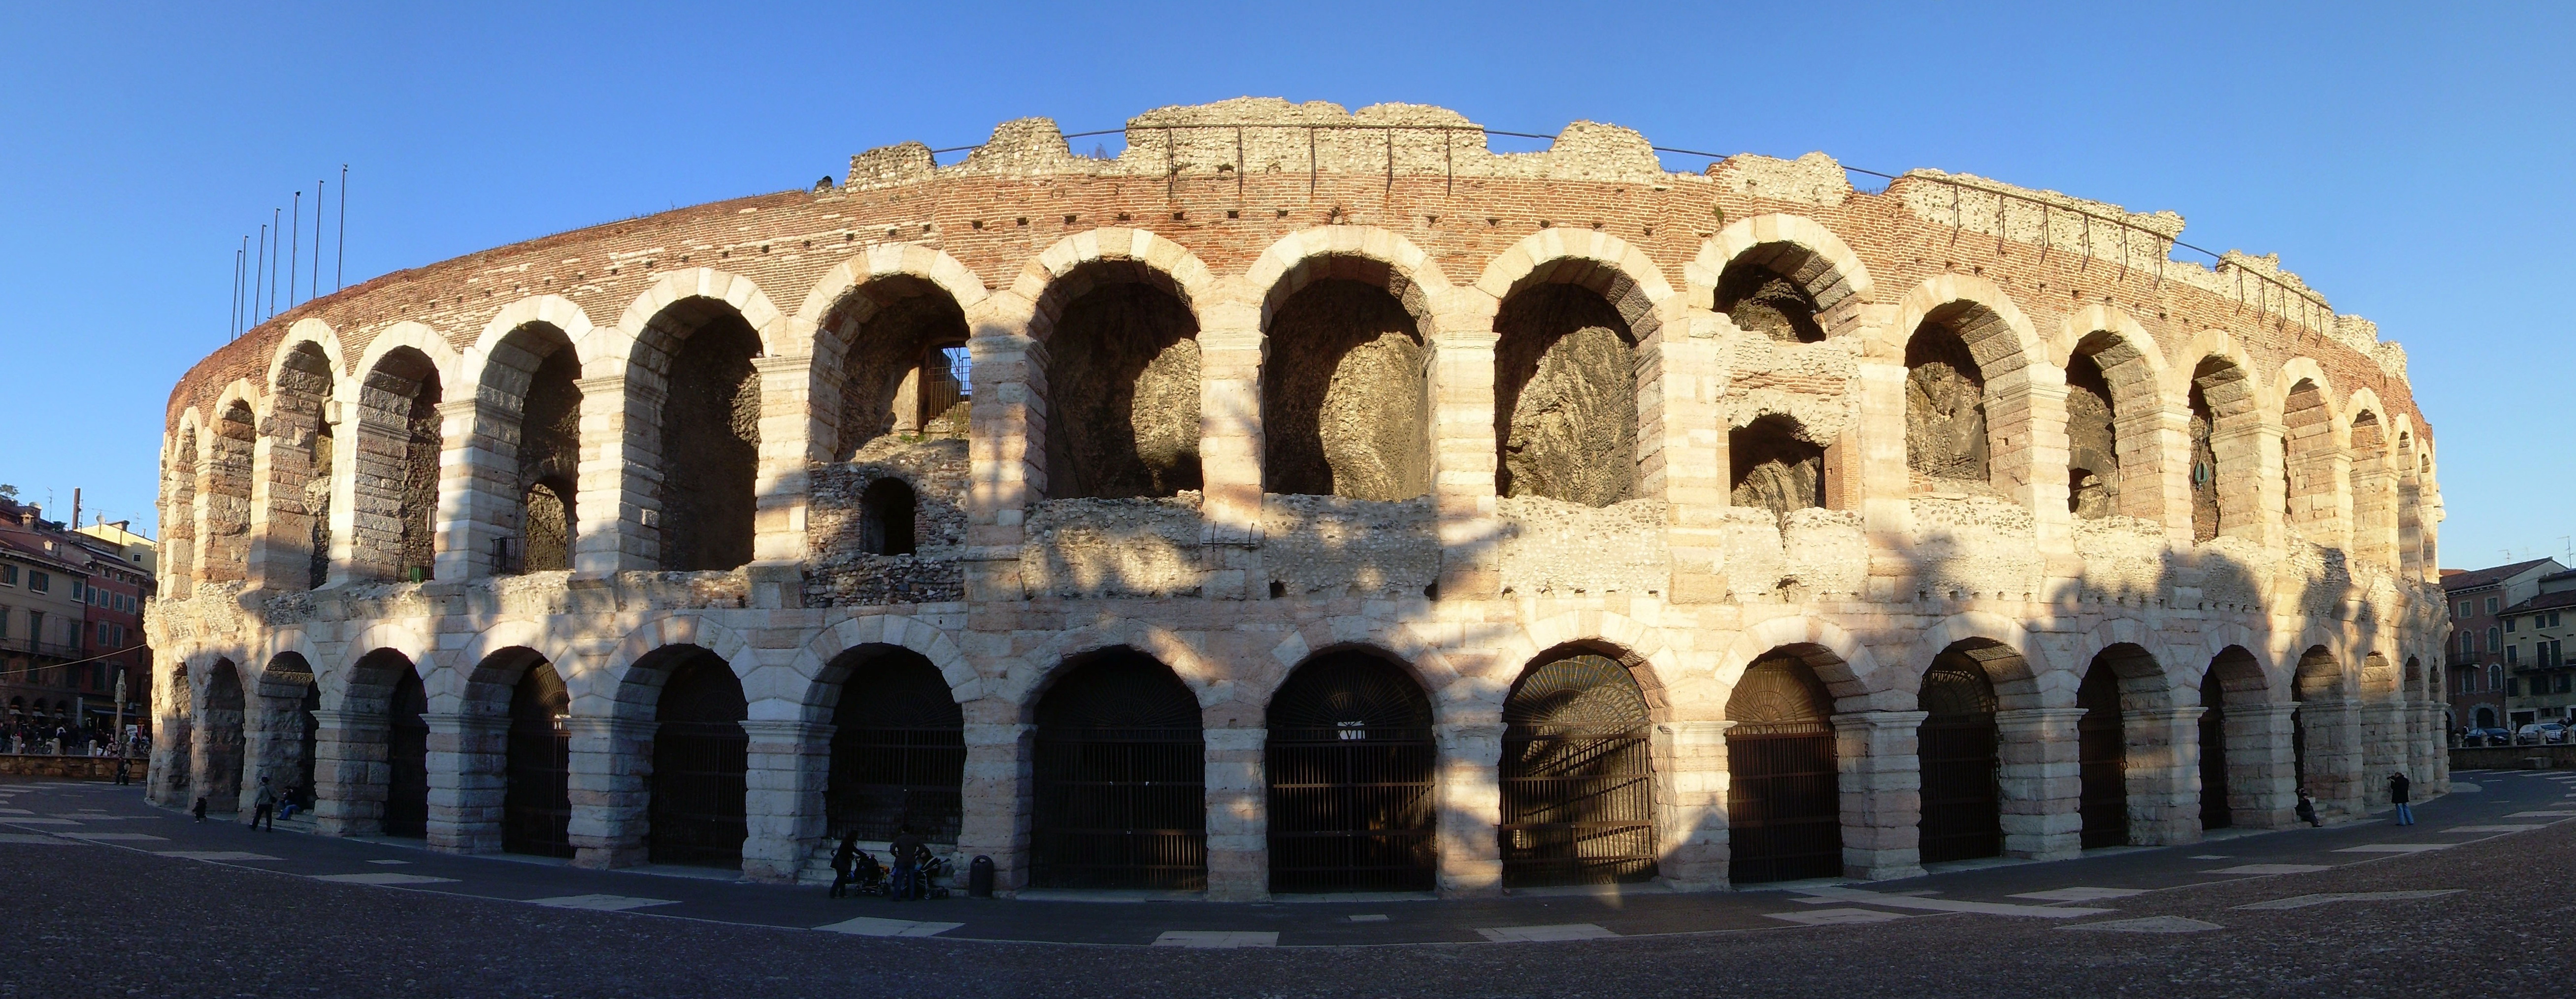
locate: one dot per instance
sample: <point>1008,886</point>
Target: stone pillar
<point>2163,774</point>
<point>351,766</point>
<point>1884,490</point>
<point>994,820</point>
<point>1686,454</point>
<point>786,767</point>
<point>1881,779</point>
<point>475,505</point>
<point>617,531</point>
<point>2042,782</point>
<point>1238,815</point>
<point>2262,773</point>
<point>1690,797</point>
<point>468,780</point>
<point>1471,808</point>
<point>2334,754</point>
<point>610,786</point>
<point>1230,452</point>
<point>2388,745</point>
<point>1463,462</point>
<point>2433,747</point>
<point>789,444</point>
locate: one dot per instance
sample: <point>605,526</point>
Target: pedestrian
<point>124,770</point>
<point>845,859</point>
<point>264,807</point>
<point>2397,788</point>
<point>200,810</point>
<point>906,849</point>
<point>2308,809</point>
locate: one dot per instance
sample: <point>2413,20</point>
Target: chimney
<point>75,521</point>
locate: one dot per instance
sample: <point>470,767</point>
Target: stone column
<point>1687,455</point>
<point>617,530</point>
<point>2164,774</point>
<point>2388,745</point>
<point>2042,781</point>
<point>789,444</point>
<point>1884,490</point>
<point>2334,754</point>
<point>1690,797</point>
<point>1230,452</point>
<point>468,780</point>
<point>2433,748</point>
<point>994,821</point>
<point>786,767</point>
<point>1471,808</point>
<point>2262,773</point>
<point>610,786</point>
<point>351,766</point>
<point>1881,779</point>
<point>1238,815</point>
<point>1463,463</point>
<point>475,505</point>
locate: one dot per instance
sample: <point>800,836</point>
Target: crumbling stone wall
<point>1097,547</point>
<point>2093,462</point>
<point>299,471</point>
<point>1760,299</point>
<point>710,446</point>
<point>882,365</point>
<point>1555,547</point>
<point>397,464</point>
<point>1774,467</point>
<point>178,552</point>
<point>1945,410</point>
<point>1123,394</point>
<point>1345,406</point>
<point>549,459</point>
<point>1565,397</point>
<point>1325,547</point>
<point>840,571</point>
<point>226,489</point>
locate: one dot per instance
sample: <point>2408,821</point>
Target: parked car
<point>2487,737</point>
<point>2540,733</point>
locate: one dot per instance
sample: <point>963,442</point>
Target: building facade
<point>1308,500</point>
<point>2475,652</point>
<point>71,623</point>
<point>2540,685</point>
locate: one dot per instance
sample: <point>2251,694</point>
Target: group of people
<point>41,738</point>
<point>2400,793</point>
<point>908,878</point>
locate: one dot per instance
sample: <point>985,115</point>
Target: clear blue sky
<point>2408,160</point>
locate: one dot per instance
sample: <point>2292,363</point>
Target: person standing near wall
<point>2398,785</point>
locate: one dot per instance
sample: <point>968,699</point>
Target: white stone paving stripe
<point>2304,901</point>
<point>1542,934</point>
<point>1835,917</point>
<point>1371,918</point>
<point>2493,829</point>
<point>870,926</point>
<point>2081,894</point>
<point>383,878</point>
<point>1952,905</point>
<point>117,837</point>
<point>1217,939</point>
<point>389,863</point>
<point>2396,847</point>
<point>212,855</point>
<point>611,903</point>
<point>31,839</point>
<point>2209,856</point>
<point>42,822</point>
<point>2150,924</point>
<point>2272,869</point>
<point>2514,815</point>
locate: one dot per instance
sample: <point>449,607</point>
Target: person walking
<point>124,770</point>
<point>200,809</point>
<point>264,807</point>
<point>2398,785</point>
<point>2307,809</point>
<point>844,860</point>
<point>907,862</point>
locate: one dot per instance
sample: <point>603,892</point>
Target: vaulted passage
<point>2103,757</point>
<point>1122,392</point>
<point>1345,400</point>
<point>225,490</point>
<point>1962,802</point>
<point>2093,457</point>
<point>710,434</point>
<point>407,757</point>
<point>299,471</point>
<point>1774,467</point>
<point>1765,291</point>
<point>541,440</point>
<point>2215,811</point>
<point>1577,776</point>
<point>305,727</point>
<point>1945,409</point>
<point>1565,397</point>
<point>1784,797</point>
<point>1120,773</point>
<point>899,338</point>
<point>2205,510</point>
<point>397,466</point>
<point>700,754</point>
<point>1350,761</point>
<point>898,749</point>
<point>219,738</point>
<point>536,808</point>
<point>2225,459</point>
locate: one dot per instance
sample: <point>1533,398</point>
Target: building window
<point>2464,609</point>
<point>2495,678</point>
<point>2491,605</point>
<point>8,575</point>
<point>38,582</point>
<point>2510,655</point>
<point>2508,625</point>
<point>2513,686</point>
<point>2494,641</point>
<point>4,622</point>
<point>2553,619</point>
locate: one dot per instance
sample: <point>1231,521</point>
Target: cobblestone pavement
<point>108,896</point>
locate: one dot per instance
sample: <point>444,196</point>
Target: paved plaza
<point>113,896</point>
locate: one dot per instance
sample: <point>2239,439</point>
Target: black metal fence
<point>1352,809</point>
<point>536,808</point>
<point>886,778</point>
<point>1783,803</point>
<point>1119,808</point>
<point>698,786</point>
<point>1578,805</point>
<point>1962,805</point>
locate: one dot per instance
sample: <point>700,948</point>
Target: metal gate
<point>699,758</point>
<point>1120,770</point>
<point>407,756</point>
<point>1350,762</point>
<point>898,752</point>
<point>1577,777</point>
<point>2214,810</point>
<point>536,808</point>
<point>2102,760</point>
<point>1784,794</point>
<point>1962,806</point>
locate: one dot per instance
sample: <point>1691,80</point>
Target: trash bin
<point>979,877</point>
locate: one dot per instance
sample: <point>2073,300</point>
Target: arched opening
<point>224,487</point>
<point>2093,441</point>
<point>1782,291</point>
<point>1577,775</point>
<point>2102,753</point>
<point>1345,391</point>
<point>1120,768</point>
<point>701,756</point>
<point>407,757</point>
<point>174,744</point>
<point>708,445</point>
<point>2318,679</point>
<point>1350,760</point>
<point>533,380</point>
<point>2308,470</point>
<point>2234,749</point>
<point>886,511</point>
<point>219,739</point>
<point>397,469</point>
<point>299,471</point>
<point>898,749</point>
<point>1784,792</point>
<point>1774,466</point>
<point>304,726</point>
<point>2374,493</point>
<point>536,805</point>
<point>1946,446</point>
<point>2216,812</point>
<point>178,549</point>
<point>2486,717</point>
<point>1122,382</point>
<point>2410,500</point>
<point>2224,452</point>
<point>1565,397</point>
<point>902,344</point>
<point>1961,759</point>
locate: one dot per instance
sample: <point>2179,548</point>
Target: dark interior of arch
<point>2102,757</point>
<point>1784,801</point>
<point>1119,771</point>
<point>2308,437</point>
<point>700,757</point>
<point>710,438</point>
<point>398,467</point>
<point>1945,407</point>
<point>1772,466</point>
<point>407,756</point>
<point>1565,397</point>
<point>899,342</point>
<point>887,509</point>
<point>1118,688</point>
<point>549,461</point>
<point>1349,762</point>
<point>1960,752</point>
<point>300,463</point>
<point>1577,775</point>
<point>1762,293</point>
<point>1345,400</point>
<point>219,782</point>
<point>2206,512</point>
<point>898,750</point>
<point>2093,457</point>
<point>1123,394</point>
<point>536,805</point>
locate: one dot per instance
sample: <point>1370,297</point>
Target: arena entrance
<point>1962,803</point>
<point>2214,810</point>
<point>898,750</point>
<point>407,757</point>
<point>219,731</point>
<point>1577,776</point>
<point>2102,755</point>
<point>1784,792</point>
<point>536,807</point>
<point>1120,771</point>
<point>700,753</point>
<point>1350,762</point>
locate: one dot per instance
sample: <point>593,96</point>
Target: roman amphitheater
<point>1310,500</point>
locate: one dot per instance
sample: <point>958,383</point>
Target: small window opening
<point>885,518</point>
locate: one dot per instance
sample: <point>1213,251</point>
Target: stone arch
<point>2411,490</point>
<point>1969,352</point>
<point>554,311</point>
<point>1455,697</point>
<point>2314,465</point>
<point>491,662</point>
<point>635,337</point>
<point>1350,325</point>
<point>182,464</point>
<point>225,486</point>
<point>2022,674</point>
<point>822,685</point>
<point>627,682</point>
<point>1367,253</point>
<point>1804,254</point>
<point>525,448</point>
<point>296,482</point>
<point>220,755</point>
<point>1579,312</point>
<point>1776,464</point>
<point>1596,261</point>
<point>2375,480</point>
<point>2115,408</point>
<point>1119,366</point>
<point>2225,415</point>
<point>1848,667</point>
<point>884,355</point>
<point>695,414</point>
<point>1132,255</point>
<point>398,433</point>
